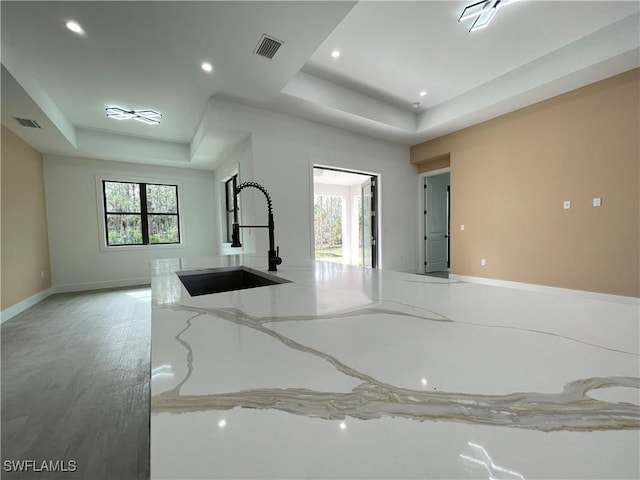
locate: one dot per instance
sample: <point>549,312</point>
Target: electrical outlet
<point>566,204</point>
<point>597,201</point>
<point>483,262</point>
<point>462,227</point>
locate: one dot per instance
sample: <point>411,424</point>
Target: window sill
<point>137,248</point>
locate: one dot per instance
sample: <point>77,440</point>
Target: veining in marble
<point>319,317</point>
<point>571,409</point>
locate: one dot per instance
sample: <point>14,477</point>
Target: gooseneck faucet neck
<point>273,253</point>
<point>244,185</point>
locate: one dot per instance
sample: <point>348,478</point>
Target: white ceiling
<point>139,55</point>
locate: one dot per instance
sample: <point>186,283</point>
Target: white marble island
<point>352,373</point>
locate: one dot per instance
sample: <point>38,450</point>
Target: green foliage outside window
<point>141,213</point>
<point>327,211</point>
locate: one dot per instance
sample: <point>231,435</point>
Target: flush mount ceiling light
<point>150,117</point>
<point>335,53</point>
<point>207,67</point>
<point>483,12</point>
<point>423,93</point>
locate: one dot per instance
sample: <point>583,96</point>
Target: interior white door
<point>436,223</point>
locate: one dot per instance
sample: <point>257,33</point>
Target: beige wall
<point>510,176</point>
<point>443,161</point>
<point>25,244</point>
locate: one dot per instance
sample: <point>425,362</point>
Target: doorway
<point>344,216</point>
<point>437,224</point>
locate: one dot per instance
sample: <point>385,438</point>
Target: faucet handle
<point>278,259</point>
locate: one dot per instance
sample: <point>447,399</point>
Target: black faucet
<point>274,254</point>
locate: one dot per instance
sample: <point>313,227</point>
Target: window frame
<point>144,213</point>
<point>229,209</point>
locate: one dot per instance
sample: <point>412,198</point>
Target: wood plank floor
<point>75,385</point>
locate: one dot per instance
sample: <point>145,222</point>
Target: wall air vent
<point>25,122</point>
<point>268,46</point>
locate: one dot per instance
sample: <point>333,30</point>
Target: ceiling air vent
<point>25,122</point>
<point>268,46</point>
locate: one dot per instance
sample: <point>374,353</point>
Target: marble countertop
<point>350,372</point>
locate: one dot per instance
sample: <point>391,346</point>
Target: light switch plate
<point>566,204</point>
<point>597,201</point>
<point>462,227</point>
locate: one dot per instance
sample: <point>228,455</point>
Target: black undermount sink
<point>225,279</point>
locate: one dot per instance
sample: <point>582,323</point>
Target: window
<point>140,213</point>
<point>229,188</point>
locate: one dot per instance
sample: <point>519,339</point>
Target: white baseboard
<point>407,270</point>
<point>545,289</point>
<point>72,287</point>
<point>82,287</point>
<point>20,307</point>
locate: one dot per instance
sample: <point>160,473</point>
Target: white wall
<point>284,152</point>
<point>77,260</point>
<point>286,169</point>
<point>278,152</point>
<point>239,160</point>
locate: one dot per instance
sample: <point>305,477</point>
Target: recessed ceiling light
<point>207,67</point>
<point>74,27</point>
<point>415,105</point>
<point>335,53</point>
<point>423,93</point>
